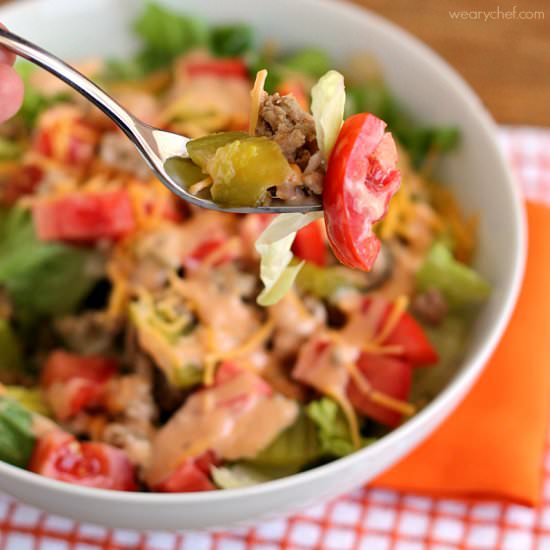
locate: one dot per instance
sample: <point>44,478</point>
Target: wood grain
<point>507,61</point>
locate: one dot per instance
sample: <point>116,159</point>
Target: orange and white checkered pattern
<point>368,519</point>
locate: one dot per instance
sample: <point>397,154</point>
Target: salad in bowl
<point>151,346</point>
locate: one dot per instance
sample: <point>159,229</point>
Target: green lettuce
<point>460,284</point>
<point>166,35</point>
<point>374,97</point>
<point>16,436</point>
<point>232,40</point>
<point>42,278</point>
<point>296,447</point>
<point>29,398</point>
<point>314,62</point>
<point>332,427</point>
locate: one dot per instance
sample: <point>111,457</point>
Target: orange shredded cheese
<point>398,308</point>
<point>256,99</point>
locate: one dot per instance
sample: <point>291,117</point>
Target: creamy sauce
<point>236,419</point>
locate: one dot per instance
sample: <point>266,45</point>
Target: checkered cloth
<point>368,519</point>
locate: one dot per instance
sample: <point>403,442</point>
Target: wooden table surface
<point>504,56</point>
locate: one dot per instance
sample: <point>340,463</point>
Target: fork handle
<point>70,76</point>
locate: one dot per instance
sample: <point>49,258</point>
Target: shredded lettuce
<point>328,99</point>
<point>244,475</point>
<point>324,282</point>
<point>460,284</point>
<point>332,427</point>
<point>43,278</point>
<point>29,398</point>
<point>276,271</point>
<point>296,447</point>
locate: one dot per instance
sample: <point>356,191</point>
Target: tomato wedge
<point>59,455</point>
<point>294,88</point>
<point>84,217</point>
<point>73,383</point>
<point>388,375</point>
<point>361,179</point>
<point>228,67</point>
<point>192,475</point>
<point>309,244</point>
<point>407,334</point>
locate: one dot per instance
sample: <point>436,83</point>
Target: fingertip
<point>11,92</point>
<point>5,55</point>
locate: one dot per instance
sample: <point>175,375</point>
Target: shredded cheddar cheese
<point>398,308</point>
<point>256,99</point>
<point>200,185</point>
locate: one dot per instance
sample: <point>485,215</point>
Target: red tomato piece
<point>73,382</point>
<point>310,245</point>
<point>192,475</point>
<point>84,217</point>
<point>228,370</point>
<point>79,147</point>
<point>194,260</point>
<point>408,335</point>
<point>388,375</point>
<point>58,455</point>
<point>227,68</point>
<point>361,179</point>
<point>411,337</point>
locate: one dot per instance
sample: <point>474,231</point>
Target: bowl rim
<point>469,370</point>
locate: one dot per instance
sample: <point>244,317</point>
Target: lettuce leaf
<point>296,447</point>
<point>42,278</point>
<point>328,100</point>
<point>332,427</point>
<point>232,40</point>
<point>314,62</point>
<point>16,436</point>
<point>167,34</point>
<point>375,97</point>
<point>29,398</point>
<point>276,271</point>
<point>460,284</point>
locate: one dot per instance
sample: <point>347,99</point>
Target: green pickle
<point>183,171</point>
<point>242,171</point>
<point>203,149</point>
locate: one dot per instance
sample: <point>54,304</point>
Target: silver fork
<point>155,146</point>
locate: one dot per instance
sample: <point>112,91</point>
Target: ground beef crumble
<point>282,119</point>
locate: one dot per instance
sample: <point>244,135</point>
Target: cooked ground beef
<point>283,120</point>
<point>430,306</point>
<point>118,151</point>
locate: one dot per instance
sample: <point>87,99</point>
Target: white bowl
<point>431,90</point>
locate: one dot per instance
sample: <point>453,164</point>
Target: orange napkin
<point>492,445</point>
